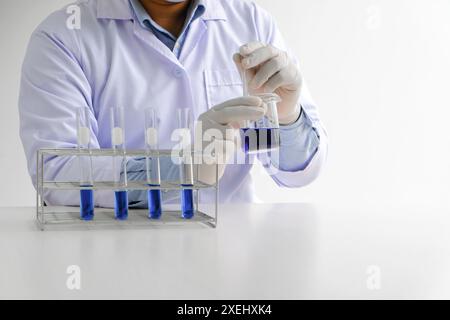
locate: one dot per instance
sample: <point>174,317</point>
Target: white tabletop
<point>285,251</point>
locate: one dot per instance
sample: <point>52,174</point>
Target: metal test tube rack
<point>58,216</point>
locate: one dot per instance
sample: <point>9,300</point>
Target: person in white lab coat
<point>164,54</point>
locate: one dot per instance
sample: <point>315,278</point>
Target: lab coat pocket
<point>222,85</point>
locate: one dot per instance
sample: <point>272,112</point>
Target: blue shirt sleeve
<point>299,143</point>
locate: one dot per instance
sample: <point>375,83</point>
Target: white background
<point>379,70</point>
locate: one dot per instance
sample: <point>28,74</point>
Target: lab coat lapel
<point>153,42</point>
<point>195,33</point>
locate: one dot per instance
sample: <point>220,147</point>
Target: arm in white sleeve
<point>53,86</point>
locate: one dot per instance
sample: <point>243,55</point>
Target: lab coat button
<point>178,73</point>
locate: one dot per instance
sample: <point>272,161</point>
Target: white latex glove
<point>228,117</point>
<point>269,69</point>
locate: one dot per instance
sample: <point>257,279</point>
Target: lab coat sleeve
<point>314,160</point>
<point>53,85</point>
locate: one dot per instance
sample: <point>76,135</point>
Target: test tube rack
<point>69,216</point>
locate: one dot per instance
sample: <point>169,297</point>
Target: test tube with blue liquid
<point>119,163</point>
<point>152,163</point>
<point>85,163</point>
<point>186,165</point>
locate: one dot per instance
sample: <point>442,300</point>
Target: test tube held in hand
<point>153,165</point>
<point>85,163</point>
<point>245,77</point>
<point>186,165</point>
<point>119,162</point>
<point>244,82</point>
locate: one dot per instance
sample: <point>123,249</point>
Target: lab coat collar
<point>213,10</point>
<point>114,9</point>
<point>120,10</point>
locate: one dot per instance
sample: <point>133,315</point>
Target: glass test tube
<point>244,82</point>
<point>119,162</point>
<point>85,163</point>
<point>186,165</point>
<point>248,133</point>
<point>152,163</point>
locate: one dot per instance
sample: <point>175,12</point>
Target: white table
<point>286,251</point>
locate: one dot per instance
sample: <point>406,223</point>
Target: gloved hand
<point>269,69</point>
<point>230,115</point>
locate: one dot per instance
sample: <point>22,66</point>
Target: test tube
<point>119,162</point>
<point>245,76</point>
<point>186,164</point>
<point>244,82</point>
<point>85,163</point>
<point>152,162</point>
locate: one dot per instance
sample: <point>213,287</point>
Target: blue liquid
<point>154,203</point>
<point>121,205</point>
<point>87,204</point>
<point>266,139</point>
<point>187,203</point>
